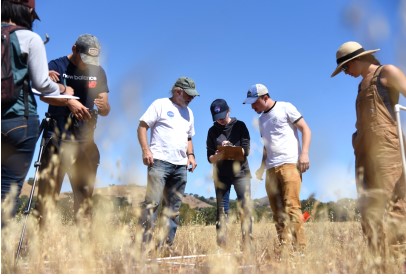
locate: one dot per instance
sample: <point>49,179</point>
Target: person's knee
<point>85,192</point>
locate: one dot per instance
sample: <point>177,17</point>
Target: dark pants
<point>79,160</point>
<point>166,183</point>
<point>242,188</point>
<point>18,139</point>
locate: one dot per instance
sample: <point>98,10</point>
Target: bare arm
<point>304,162</point>
<point>147,157</point>
<point>393,78</point>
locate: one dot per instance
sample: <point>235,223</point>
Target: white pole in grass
<point>194,256</point>
<point>399,107</point>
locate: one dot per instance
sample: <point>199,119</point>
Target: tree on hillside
<point>189,216</point>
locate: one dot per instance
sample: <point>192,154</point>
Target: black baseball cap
<point>219,109</point>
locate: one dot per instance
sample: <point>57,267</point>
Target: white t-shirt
<point>171,126</point>
<point>279,134</point>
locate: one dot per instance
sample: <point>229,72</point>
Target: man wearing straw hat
<point>380,182</point>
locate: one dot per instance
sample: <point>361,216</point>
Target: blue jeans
<point>18,139</point>
<point>166,183</point>
<point>242,186</point>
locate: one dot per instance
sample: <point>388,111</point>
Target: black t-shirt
<point>237,133</point>
<point>87,85</point>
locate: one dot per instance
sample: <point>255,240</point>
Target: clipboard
<point>231,153</point>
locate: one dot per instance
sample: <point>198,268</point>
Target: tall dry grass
<point>109,245</point>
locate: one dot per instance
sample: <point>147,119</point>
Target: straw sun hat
<point>349,51</point>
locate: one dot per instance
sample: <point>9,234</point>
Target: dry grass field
<point>108,245</point>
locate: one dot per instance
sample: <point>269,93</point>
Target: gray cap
<point>255,91</point>
<point>188,85</point>
<point>89,48</point>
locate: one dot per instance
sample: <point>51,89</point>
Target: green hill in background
<point>197,209</point>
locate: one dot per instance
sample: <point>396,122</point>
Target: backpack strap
<point>26,91</point>
<point>26,84</point>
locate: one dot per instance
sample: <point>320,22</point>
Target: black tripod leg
<point>37,164</point>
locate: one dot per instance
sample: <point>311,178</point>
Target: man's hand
<point>79,110</point>
<point>53,75</point>
<point>147,158</point>
<point>304,163</point>
<point>102,104</point>
<point>259,173</point>
<point>191,163</point>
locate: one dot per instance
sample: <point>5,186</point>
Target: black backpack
<point>11,83</point>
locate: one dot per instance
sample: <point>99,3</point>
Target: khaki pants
<point>283,188</point>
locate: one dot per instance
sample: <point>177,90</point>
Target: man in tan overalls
<point>379,173</point>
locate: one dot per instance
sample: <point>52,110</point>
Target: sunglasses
<point>187,95</point>
<point>344,68</point>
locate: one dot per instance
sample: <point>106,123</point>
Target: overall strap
<point>376,75</point>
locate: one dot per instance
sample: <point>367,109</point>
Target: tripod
<point>45,124</point>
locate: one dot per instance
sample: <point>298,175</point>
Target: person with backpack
<point>228,171</point>
<point>72,150</point>
<point>24,65</point>
<point>380,178</point>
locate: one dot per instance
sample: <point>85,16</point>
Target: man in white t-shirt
<point>284,160</point>
<point>168,156</point>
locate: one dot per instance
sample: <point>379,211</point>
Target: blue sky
<point>226,46</point>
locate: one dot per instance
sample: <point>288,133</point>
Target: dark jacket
<point>237,133</point>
